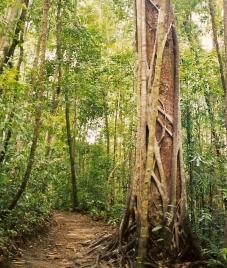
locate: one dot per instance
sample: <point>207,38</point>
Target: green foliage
<point>98,72</point>
<point>203,122</point>
<point>223,254</point>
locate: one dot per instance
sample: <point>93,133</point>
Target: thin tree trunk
<point>70,141</point>
<point>71,152</point>
<point>7,138</point>
<point>225,42</point>
<point>56,93</point>
<point>11,115</point>
<point>112,178</point>
<point>225,233</point>
<point>225,226</point>
<point>38,110</point>
<point>11,16</point>
<point>75,125</point>
<point>193,42</point>
<point>217,47</point>
<point>107,131</point>
<point>108,194</point>
<point>9,51</point>
<point>18,31</point>
<point>190,163</point>
<point>117,108</point>
<point>215,137</point>
<point>53,110</point>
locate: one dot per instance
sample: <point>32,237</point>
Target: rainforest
<point>113,133</point>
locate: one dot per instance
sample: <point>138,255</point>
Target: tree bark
<point>38,111</point>
<point>7,138</point>
<point>193,42</point>
<point>190,163</point>
<point>9,52</point>
<point>117,108</point>
<point>108,194</point>
<point>225,234</point>
<point>11,115</point>
<point>11,16</point>
<point>215,137</point>
<point>9,49</point>
<point>217,47</point>
<point>225,42</point>
<point>225,226</point>
<point>155,225</point>
<point>71,152</point>
<point>160,189</point>
<point>56,93</point>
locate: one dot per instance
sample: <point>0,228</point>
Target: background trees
<point>97,65</point>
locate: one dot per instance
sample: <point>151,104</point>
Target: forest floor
<point>64,245</point>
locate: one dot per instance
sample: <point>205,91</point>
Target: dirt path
<point>65,244</point>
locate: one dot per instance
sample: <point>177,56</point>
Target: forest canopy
<point>69,111</point>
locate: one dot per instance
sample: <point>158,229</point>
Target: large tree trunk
<point>38,110</point>
<point>154,225</point>
<point>159,192</point>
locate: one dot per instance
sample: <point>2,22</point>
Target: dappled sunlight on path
<point>64,246</point>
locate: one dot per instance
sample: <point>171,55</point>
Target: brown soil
<point>64,246</point>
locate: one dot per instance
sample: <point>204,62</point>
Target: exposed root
<point>205,264</point>
<point>110,251</point>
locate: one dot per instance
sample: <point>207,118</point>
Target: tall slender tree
<point>225,43</point>
<point>70,141</point>
<point>9,51</point>
<point>58,74</point>
<point>40,86</point>
<point>71,151</point>
<point>18,39</point>
<point>218,51</point>
<point>17,25</point>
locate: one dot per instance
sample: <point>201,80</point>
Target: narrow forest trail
<point>64,246</point>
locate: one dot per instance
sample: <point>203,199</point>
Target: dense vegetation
<point>73,81</point>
